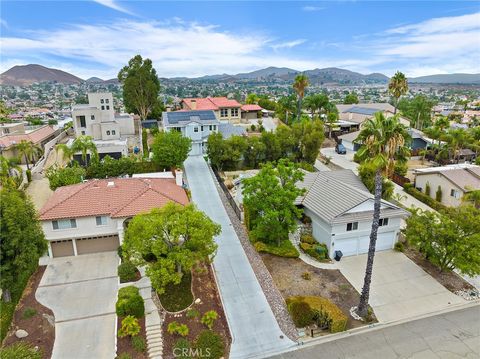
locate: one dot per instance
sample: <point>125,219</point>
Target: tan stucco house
<point>225,110</point>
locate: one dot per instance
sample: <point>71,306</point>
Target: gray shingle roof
<point>228,130</point>
<point>187,116</point>
<point>363,110</point>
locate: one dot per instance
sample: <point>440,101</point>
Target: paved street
<point>255,331</point>
<point>82,291</point>
<point>451,335</point>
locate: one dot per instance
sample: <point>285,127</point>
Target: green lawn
<point>178,297</point>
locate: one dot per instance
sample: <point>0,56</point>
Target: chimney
<point>193,104</point>
<point>179,177</point>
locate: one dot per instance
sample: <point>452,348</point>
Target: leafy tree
<point>299,85</point>
<point>10,172</point>
<point>383,141</point>
<point>251,99</point>
<point>285,108</point>
<point>397,87</point>
<point>4,112</point>
<point>169,241</point>
<point>472,197</point>
<point>269,199</point>
<point>273,148</point>
<point>254,152</point>
<point>449,238</point>
<point>58,176</point>
<point>225,154</point>
<point>22,241</point>
<point>309,136</point>
<point>418,110</point>
<point>332,119</point>
<point>316,103</point>
<point>140,86</point>
<point>28,150</point>
<point>170,149</point>
<point>267,104</point>
<point>351,99</point>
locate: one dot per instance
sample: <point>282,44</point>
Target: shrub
<point>399,246</point>
<point>28,313</point>
<point>429,201</point>
<point>139,344</point>
<point>176,328</point>
<point>438,194</point>
<point>182,348</point>
<point>306,219</point>
<point>286,249</point>
<point>209,341</point>
<point>252,127</point>
<point>127,272</point>
<point>20,350</point>
<point>29,175</point>
<point>130,302</point>
<point>129,327</point>
<point>58,177</point>
<point>209,318</point>
<point>306,275</point>
<point>124,356</point>
<point>322,309</point>
<point>302,314</point>
<point>307,238</point>
<point>319,251</point>
<point>427,189</point>
<point>192,313</point>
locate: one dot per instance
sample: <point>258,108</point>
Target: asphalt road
<point>450,335</point>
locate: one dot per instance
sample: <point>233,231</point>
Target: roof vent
<point>111,184</point>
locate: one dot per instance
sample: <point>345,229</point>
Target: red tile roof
<point>210,103</point>
<point>36,137</point>
<point>252,107</point>
<point>126,198</point>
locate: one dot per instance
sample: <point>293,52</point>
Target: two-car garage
<point>358,245</point>
<point>85,245</point>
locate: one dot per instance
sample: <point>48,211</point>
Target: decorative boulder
<point>20,333</point>
<point>198,301</point>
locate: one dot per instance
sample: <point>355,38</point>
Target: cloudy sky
<point>96,38</point>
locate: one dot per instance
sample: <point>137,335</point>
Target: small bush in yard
<point>318,251</point>
<point>307,238</point>
<point>139,344</point>
<point>302,314</point>
<point>210,342</point>
<point>182,348</point>
<point>192,313</point>
<point>399,246</point>
<point>176,328</point>
<point>306,275</point>
<point>20,350</point>
<point>130,302</point>
<point>28,313</point>
<point>129,327</point>
<point>127,272</point>
<point>209,318</point>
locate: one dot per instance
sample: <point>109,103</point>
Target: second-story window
<point>92,117</point>
<point>101,220</point>
<point>224,112</point>
<point>195,129</point>
<point>108,133</point>
<point>107,101</point>
<point>101,101</point>
<point>201,128</point>
<point>113,132</point>
<point>352,226</point>
<point>64,224</point>
<point>383,222</point>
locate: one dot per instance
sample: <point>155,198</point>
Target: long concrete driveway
<point>81,291</point>
<point>255,331</point>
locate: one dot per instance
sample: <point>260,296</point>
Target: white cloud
<point>312,8</point>
<point>112,4</point>
<point>288,44</point>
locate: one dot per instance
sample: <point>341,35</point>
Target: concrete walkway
<point>39,190</point>
<point>254,329</point>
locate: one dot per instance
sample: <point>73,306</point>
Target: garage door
<point>97,244</point>
<point>62,248</point>
<point>359,245</point>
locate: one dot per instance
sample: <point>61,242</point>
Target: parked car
<point>340,149</point>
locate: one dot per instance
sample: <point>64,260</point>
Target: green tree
<point>383,142</point>
<point>351,98</point>
<point>309,136</point>
<point>418,111</point>
<point>58,176</point>
<point>170,149</point>
<point>273,149</point>
<point>169,241</point>
<point>397,87</point>
<point>22,241</point>
<point>472,197</point>
<point>332,119</point>
<point>267,104</point>
<point>316,103</point>
<point>10,172</point>
<point>366,172</point>
<point>299,85</point>
<point>254,152</point>
<point>287,141</point>
<point>29,151</point>
<point>251,99</point>
<point>140,86</point>
<point>269,199</point>
<point>450,238</point>
<point>285,108</point>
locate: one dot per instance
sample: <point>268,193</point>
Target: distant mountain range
<point>29,74</point>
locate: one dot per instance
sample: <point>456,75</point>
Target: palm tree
<point>397,87</point>
<point>85,144</point>
<point>316,103</point>
<point>383,141</point>
<point>456,140</point>
<point>67,153</point>
<point>9,172</point>
<point>299,85</point>
<point>332,118</point>
<point>28,150</point>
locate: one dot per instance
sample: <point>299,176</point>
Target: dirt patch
<point>327,283</point>
<point>450,280</point>
<point>33,317</point>
<point>124,345</point>
<point>328,142</point>
<point>205,288</point>
<point>39,191</point>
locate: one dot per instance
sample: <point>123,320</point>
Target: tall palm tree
<point>456,140</point>
<point>28,150</point>
<point>383,141</point>
<point>332,118</point>
<point>316,103</point>
<point>299,85</point>
<point>67,153</point>
<point>85,145</point>
<point>397,87</point>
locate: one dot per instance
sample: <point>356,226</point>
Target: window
<point>6,130</point>
<point>82,121</point>
<point>64,224</point>
<point>113,132</point>
<point>103,107</point>
<point>101,101</point>
<point>383,222</point>
<point>454,193</point>
<point>234,112</point>
<point>92,117</point>
<point>224,112</point>
<point>201,128</point>
<point>352,226</point>
<point>195,129</point>
<point>101,220</point>
<point>107,100</point>
<point>108,133</point>
<point>108,107</point>
<point>178,129</point>
<point>83,133</point>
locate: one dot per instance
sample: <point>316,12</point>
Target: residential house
<point>341,210</point>
<point>225,110</point>
<point>113,134</point>
<point>250,112</point>
<point>91,217</point>
<point>453,180</point>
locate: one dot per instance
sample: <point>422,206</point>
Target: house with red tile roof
<point>90,217</point>
<point>225,110</point>
<point>251,111</point>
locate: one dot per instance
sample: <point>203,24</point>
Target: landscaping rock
<point>198,301</point>
<point>20,333</point>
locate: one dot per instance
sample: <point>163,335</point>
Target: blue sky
<point>96,38</point>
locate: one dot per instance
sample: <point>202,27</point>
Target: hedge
<point>127,272</point>
<point>422,197</point>
<point>302,314</point>
<point>286,249</point>
<point>130,302</point>
<point>322,307</point>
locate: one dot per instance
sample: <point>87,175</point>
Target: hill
<point>448,79</point>
<point>29,74</point>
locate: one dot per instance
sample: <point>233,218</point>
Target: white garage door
<point>359,245</point>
